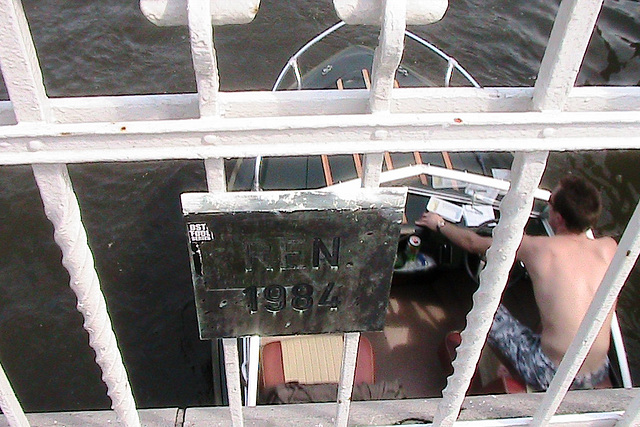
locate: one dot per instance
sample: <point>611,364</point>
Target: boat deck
<point>422,310</point>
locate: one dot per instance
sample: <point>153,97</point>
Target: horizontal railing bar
<point>580,124</point>
<point>172,152</point>
<point>295,103</point>
<point>308,135</point>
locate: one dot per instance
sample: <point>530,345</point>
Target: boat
<point>431,292</point>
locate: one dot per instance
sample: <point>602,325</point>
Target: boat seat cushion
<point>314,359</point>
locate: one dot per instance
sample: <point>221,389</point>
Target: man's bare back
<point>566,271</point>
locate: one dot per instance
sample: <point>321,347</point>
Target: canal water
<point>132,212</point>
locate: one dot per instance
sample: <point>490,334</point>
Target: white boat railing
<point>49,134</point>
<point>292,63</point>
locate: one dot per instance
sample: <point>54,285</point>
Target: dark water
<point>131,211</point>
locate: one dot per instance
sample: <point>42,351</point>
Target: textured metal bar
<point>419,12</point>
<point>565,51</point>
<point>515,208</point>
<point>388,54</point>
<point>24,82</point>
<point>9,404</point>
<point>216,179</point>
<point>20,67</point>
<point>631,416</point>
<point>341,134</point>
<point>158,107</point>
<point>61,207</point>
<point>23,79</point>
<point>167,13</point>
<point>204,56</point>
<point>372,170</point>
<point>603,302</point>
<point>232,367</point>
<point>347,375</point>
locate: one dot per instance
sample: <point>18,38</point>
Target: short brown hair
<point>578,202</point>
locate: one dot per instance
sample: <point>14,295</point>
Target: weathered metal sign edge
<point>294,200</point>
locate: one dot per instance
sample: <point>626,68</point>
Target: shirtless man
<point>566,270</point>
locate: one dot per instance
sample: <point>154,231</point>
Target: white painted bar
<point>204,56</point>
<point>20,67</point>
<point>631,416</point>
<point>61,207</point>
<point>603,302</point>
<point>89,155</point>
<point>318,135</point>
<point>216,178</point>
<point>404,100</point>
<point>372,168</point>
<point>388,54</point>
<point>527,170</point>
<point>9,404</point>
<point>347,376</point>
<point>23,79</point>
<point>167,13</point>
<point>324,102</point>
<point>418,12</point>
<point>234,390</point>
<point>565,51</point>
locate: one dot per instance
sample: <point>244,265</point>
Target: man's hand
<point>430,220</point>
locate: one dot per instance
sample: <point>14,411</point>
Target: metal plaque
<point>284,263</point>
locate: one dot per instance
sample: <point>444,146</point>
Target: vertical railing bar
<point>388,54</point>
<point>631,415</point>
<point>204,56</point>
<point>62,209</point>
<point>386,60</point>
<point>23,78</point>
<point>347,376</point>
<point>9,404</point>
<point>564,54</point>
<point>602,304</point>
<point>207,81</point>
<point>216,182</point>
<point>216,178</point>
<point>232,367</point>
<point>29,102</point>
<point>20,65</point>
<point>372,168</point>
<point>515,208</point>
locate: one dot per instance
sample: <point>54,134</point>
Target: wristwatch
<point>440,224</point>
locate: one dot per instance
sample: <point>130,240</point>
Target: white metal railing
<point>51,133</point>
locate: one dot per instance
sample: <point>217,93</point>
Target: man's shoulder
<point>607,240</point>
<point>533,246</point>
<point>608,244</point>
<point>530,240</point>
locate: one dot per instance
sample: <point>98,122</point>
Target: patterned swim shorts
<point>521,346</point>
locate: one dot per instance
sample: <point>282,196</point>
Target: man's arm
<point>463,237</point>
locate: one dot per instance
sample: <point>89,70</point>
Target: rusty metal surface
<point>294,271</point>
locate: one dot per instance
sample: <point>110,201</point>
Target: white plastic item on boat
<point>167,13</point>
<point>369,12</point>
